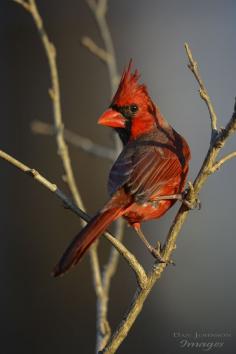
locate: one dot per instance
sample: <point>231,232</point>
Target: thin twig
<point>63,152</point>
<point>23,3</point>
<point>193,66</point>
<point>85,144</point>
<point>95,49</point>
<point>131,259</point>
<point>111,266</point>
<point>45,182</point>
<point>219,163</point>
<point>205,171</point>
<point>99,11</point>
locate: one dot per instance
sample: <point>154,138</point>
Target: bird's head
<point>132,111</point>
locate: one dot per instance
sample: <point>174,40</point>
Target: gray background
<point>42,315</point>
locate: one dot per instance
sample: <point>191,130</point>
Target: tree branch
<point>99,11</point>
<point>24,4</point>
<point>85,144</point>
<point>95,49</point>
<point>193,66</point>
<point>170,245</point>
<point>46,183</point>
<point>219,163</point>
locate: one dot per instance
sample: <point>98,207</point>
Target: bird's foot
<point>189,198</point>
<point>157,253</point>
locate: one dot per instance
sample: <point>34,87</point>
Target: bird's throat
<point>124,134</point>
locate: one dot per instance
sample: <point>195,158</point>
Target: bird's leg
<point>179,197</point>
<point>156,252</point>
<point>193,197</point>
<point>182,197</point>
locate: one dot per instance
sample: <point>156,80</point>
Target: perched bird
<point>149,174</point>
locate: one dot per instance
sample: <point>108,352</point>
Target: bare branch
<point>219,163</point>
<point>29,171</point>
<point>229,129</point>
<point>95,49</point>
<point>46,183</point>
<point>111,266</point>
<point>101,8</point>
<point>193,66</point>
<point>131,259</point>
<point>92,4</point>
<point>24,4</point>
<point>85,144</point>
<point>99,11</point>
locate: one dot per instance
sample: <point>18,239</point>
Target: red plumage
<point>153,163</point>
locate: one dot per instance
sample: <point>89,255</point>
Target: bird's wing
<point>121,170</point>
<point>144,172</point>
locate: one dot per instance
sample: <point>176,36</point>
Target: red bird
<point>148,176</point>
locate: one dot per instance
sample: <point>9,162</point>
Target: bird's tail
<point>96,226</point>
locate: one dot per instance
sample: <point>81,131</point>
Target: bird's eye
<point>133,108</point>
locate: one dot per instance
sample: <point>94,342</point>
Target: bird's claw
<point>193,202</point>
<point>156,252</point>
<point>192,205</point>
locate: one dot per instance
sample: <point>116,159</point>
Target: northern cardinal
<point>148,176</point>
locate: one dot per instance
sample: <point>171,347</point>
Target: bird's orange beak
<point>112,118</point>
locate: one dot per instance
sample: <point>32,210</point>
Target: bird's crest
<point>129,89</point>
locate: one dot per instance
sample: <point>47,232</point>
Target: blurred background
<point>43,315</point>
